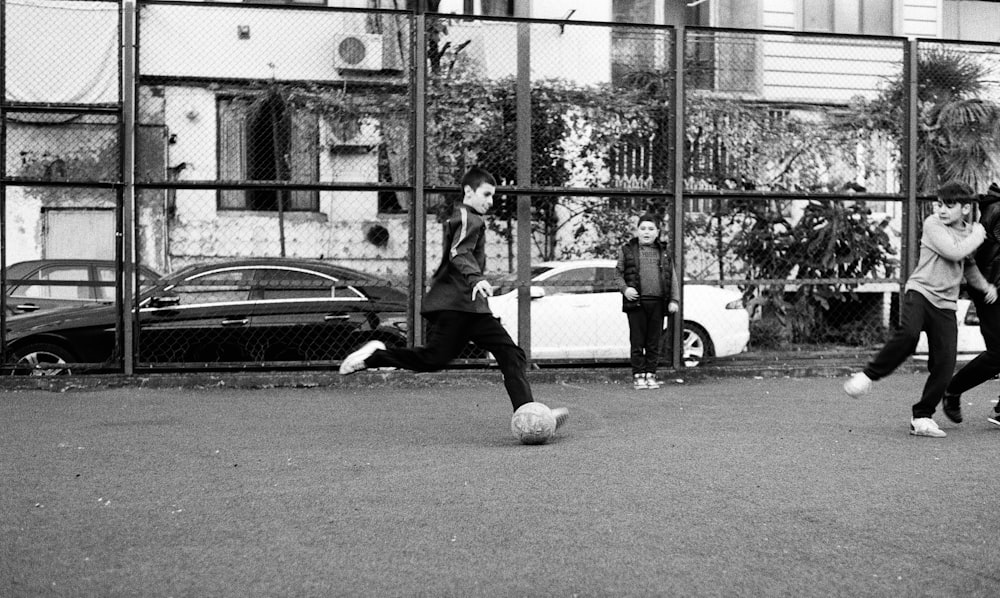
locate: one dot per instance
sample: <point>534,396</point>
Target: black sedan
<point>37,285</point>
<point>267,312</point>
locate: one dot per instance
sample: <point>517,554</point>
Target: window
<point>263,139</point>
<point>817,15</point>
<point>296,284</point>
<point>388,201</point>
<point>77,274</point>
<point>498,8</point>
<point>605,281</point>
<point>214,287</point>
<point>107,274</point>
<point>699,51</point>
<point>874,17</point>
<point>575,281</point>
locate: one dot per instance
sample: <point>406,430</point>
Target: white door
<point>80,234</point>
<point>579,317</point>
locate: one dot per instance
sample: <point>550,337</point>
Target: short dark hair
<point>650,217</point>
<point>956,192</point>
<point>476,176</point>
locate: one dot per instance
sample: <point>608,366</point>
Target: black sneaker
<point>994,418</point>
<point>952,407</point>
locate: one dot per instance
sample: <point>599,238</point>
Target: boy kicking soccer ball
<point>456,306</point>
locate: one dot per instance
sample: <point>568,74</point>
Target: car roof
<point>18,269</point>
<point>587,263</point>
<point>320,266</point>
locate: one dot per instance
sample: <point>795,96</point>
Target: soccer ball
<point>533,423</point>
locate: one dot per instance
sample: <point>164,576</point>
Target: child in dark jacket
<point>986,365</point>
<point>645,277</point>
<point>456,307</point>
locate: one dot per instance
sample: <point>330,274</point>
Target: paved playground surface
<point>707,487</point>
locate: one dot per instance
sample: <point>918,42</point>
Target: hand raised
<point>484,288</point>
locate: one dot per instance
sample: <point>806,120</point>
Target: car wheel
<point>28,358</point>
<point>696,344</point>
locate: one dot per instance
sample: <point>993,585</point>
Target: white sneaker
<point>858,384</point>
<point>994,418</point>
<point>651,381</point>
<point>562,416</point>
<point>356,361</point>
<point>639,382</point>
<point>925,426</point>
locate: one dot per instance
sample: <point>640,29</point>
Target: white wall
<point>198,41</point>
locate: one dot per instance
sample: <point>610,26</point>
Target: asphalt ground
<point>396,485</point>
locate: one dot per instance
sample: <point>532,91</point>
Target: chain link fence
<point>293,166</point>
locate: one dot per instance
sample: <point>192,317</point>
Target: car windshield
<point>506,283</point>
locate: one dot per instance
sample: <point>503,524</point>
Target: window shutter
<point>304,158</point>
<point>232,152</point>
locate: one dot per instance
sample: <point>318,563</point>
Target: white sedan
<point>576,313</point>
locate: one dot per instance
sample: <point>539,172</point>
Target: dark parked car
<point>38,285</point>
<point>257,312</point>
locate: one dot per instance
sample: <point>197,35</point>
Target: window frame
<point>232,128</point>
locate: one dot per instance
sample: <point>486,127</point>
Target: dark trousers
<point>645,326</point>
<point>942,334</point>
<point>448,333</point>
<point>987,364</point>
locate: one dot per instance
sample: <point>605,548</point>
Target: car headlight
<point>737,304</point>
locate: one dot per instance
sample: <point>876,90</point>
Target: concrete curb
<point>785,368</point>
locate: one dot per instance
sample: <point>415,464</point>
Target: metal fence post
<point>677,165</point>
<point>910,66</point>
<point>418,209</point>
<point>127,170</point>
<point>3,184</point>
<point>524,180</point>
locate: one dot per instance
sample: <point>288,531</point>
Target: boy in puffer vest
<point>645,277</point>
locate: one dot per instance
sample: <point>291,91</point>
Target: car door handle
<point>331,317</point>
<point>26,307</point>
<point>242,322</point>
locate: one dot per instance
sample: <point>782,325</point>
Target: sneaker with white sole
<point>562,416</point>
<point>994,418</point>
<point>639,382</point>
<point>651,381</point>
<point>356,361</point>
<point>925,426</point>
<point>857,385</point>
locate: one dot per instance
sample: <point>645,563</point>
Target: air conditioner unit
<point>358,51</point>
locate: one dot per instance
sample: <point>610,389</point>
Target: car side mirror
<point>536,292</point>
<point>165,301</point>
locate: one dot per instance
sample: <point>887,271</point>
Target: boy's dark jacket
<point>463,262</point>
<point>631,272</point>
<point>988,254</point>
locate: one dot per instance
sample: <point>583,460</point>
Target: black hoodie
<point>988,254</point>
